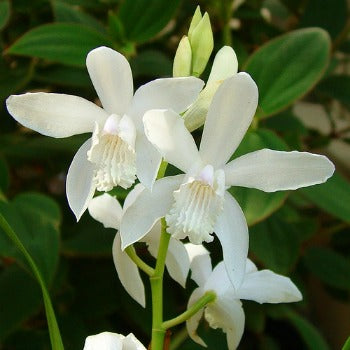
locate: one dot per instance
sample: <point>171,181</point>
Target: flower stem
<point>138,261</point>
<point>207,298</point>
<point>158,331</point>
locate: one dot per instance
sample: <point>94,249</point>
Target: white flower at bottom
<point>107,210</point>
<point>112,341</point>
<point>226,310</point>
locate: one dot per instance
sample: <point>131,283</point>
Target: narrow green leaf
<point>329,266</point>
<point>4,13</point>
<point>60,42</point>
<point>346,345</point>
<point>155,15</point>
<point>287,67</point>
<point>332,196</point>
<point>55,336</point>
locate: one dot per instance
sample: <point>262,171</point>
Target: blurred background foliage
<point>298,52</point>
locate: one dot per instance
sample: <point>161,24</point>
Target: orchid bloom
<point>112,341</point>
<point>197,203</point>
<point>224,66</point>
<point>226,310</point>
<point>107,210</point>
<point>118,149</point>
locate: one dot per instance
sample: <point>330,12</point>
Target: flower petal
<point>169,93</point>
<point>232,231</point>
<point>177,260</point>
<point>128,272</point>
<point>229,116</point>
<point>130,342</point>
<point>140,217</point>
<point>105,341</point>
<point>111,75</point>
<point>268,287</point>
<point>193,322</point>
<point>224,66</point>
<point>107,210</point>
<point>200,263</point>
<point>227,314</point>
<point>271,171</point>
<point>132,195</point>
<point>80,187</point>
<point>219,281</point>
<point>148,160</point>
<point>165,129</point>
<point>55,115</point>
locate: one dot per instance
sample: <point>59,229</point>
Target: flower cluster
<point>131,134</point>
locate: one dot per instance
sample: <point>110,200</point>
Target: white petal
<point>112,78</point>
<point>139,218</point>
<point>55,115</point>
<point>250,267</point>
<point>271,171</point>
<point>232,231</point>
<point>128,272</point>
<point>229,116</point>
<point>132,195</point>
<point>227,314</point>
<point>130,342</point>
<point>200,263</point>
<point>219,281</point>
<point>165,129</point>
<point>268,287</point>
<point>107,210</point>
<point>148,160</point>
<point>79,184</point>
<point>225,64</point>
<point>193,322</point>
<point>177,260</point>
<point>104,341</point>
<point>169,93</point>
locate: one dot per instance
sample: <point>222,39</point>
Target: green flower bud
<point>183,59</point>
<point>195,20</point>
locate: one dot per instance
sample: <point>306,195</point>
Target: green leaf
<point>73,14</point>
<point>36,219</point>
<point>329,266</point>
<point>4,13</point>
<point>140,26</point>
<point>331,15</point>
<point>332,196</point>
<point>309,333</point>
<point>256,204</point>
<point>275,243</point>
<point>20,298</point>
<point>346,345</point>
<point>151,63</point>
<point>336,86</point>
<point>4,176</point>
<point>287,67</point>
<point>55,336</point>
<point>60,42</point>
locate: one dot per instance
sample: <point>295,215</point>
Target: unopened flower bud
<point>183,59</point>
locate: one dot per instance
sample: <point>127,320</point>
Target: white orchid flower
<point>118,149</point>
<point>107,210</point>
<point>225,65</point>
<point>226,310</point>
<point>112,341</point>
<point>197,203</point>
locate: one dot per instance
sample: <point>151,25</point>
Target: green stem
<point>138,261</point>
<point>207,298</point>
<point>179,338</point>
<point>55,336</point>
<point>158,331</point>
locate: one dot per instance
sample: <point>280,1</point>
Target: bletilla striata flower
<point>226,310</point>
<point>107,210</point>
<point>118,149</point>
<point>197,203</point>
<point>112,341</point>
